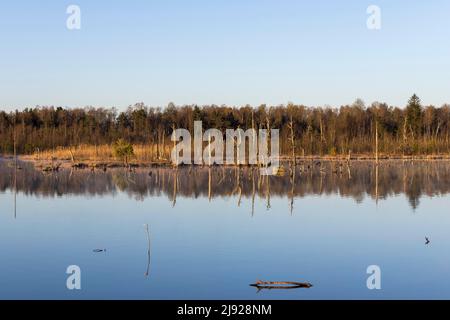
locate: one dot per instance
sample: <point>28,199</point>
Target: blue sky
<point>223,52</point>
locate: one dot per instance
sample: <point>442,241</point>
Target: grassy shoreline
<point>56,163</point>
<point>102,157</point>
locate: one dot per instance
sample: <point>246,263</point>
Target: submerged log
<point>280,284</point>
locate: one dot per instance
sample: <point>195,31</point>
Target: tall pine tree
<point>414,115</point>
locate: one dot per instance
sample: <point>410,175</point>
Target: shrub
<point>123,150</point>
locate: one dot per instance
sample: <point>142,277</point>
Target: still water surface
<point>215,231</point>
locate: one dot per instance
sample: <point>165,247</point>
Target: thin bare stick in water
<point>253,191</point>
<point>209,184</point>
<point>349,172</point>
<point>148,250</point>
<point>268,192</point>
<point>15,191</point>
<point>292,189</point>
<point>237,183</point>
<point>238,188</point>
<point>175,187</point>
<point>376,184</point>
<point>240,196</point>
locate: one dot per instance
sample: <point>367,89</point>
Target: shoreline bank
<point>59,163</point>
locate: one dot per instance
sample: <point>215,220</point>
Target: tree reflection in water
<point>357,180</point>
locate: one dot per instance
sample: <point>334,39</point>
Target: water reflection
<point>356,180</point>
<point>217,239</point>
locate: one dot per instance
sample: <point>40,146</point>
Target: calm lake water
<point>214,232</point>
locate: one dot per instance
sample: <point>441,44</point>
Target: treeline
<point>415,129</point>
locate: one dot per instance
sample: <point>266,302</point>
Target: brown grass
<point>102,153</point>
<point>145,154</point>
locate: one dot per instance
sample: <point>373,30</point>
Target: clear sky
<point>224,52</point>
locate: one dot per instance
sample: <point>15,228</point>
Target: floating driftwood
<point>280,285</point>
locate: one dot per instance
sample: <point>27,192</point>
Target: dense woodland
<point>412,129</point>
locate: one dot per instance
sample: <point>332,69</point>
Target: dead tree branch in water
<point>280,285</point>
<point>148,250</point>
